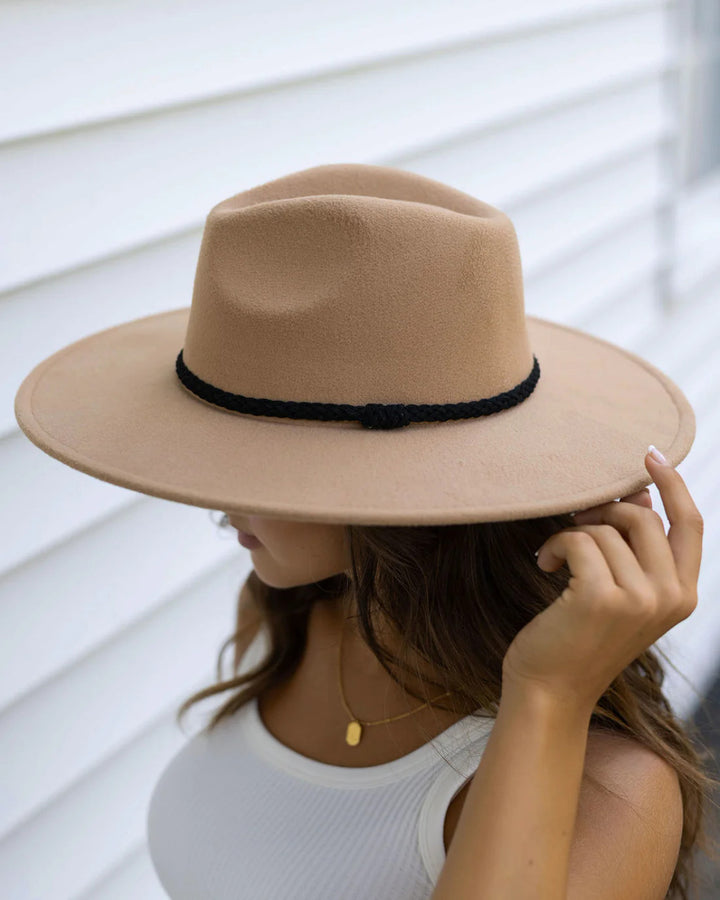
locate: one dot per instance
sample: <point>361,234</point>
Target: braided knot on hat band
<point>370,415</point>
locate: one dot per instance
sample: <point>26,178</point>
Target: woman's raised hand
<point>629,584</point>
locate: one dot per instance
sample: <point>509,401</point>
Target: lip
<point>248,540</point>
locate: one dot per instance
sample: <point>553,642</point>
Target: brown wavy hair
<point>455,596</point>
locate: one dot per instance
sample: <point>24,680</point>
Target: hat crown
<point>358,284</point>
<point>332,308</point>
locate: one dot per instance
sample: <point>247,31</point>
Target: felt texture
<point>354,283</point>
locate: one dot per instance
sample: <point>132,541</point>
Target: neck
<point>359,663</point>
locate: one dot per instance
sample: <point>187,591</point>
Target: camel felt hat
<point>357,351</point>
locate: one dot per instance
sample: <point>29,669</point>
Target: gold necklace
<point>355,728</point>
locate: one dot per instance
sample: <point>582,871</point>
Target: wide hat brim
<point>111,405</point>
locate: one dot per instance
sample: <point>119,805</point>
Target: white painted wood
<point>43,500</point>
<point>698,239</point>
<point>551,228</point>
<point>535,152</point>
<point>83,832</point>
<point>132,876</point>
<point>188,52</point>
<point>87,193</point>
<point>98,582</point>
<point>581,289</point>
<point>92,709</point>
<point>57,311</point>
<point>121,124</point>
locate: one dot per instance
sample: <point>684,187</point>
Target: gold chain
<point>354,730</point>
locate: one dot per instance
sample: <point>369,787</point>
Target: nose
<point>236,525</point>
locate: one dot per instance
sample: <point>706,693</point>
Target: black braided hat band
<point>369,415</point>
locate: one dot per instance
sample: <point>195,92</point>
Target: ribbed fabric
<point>237,815</point>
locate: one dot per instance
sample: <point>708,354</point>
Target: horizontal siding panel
<point>627,317</point>
<point>44,500</point>
<point>134,876</point>
<point>697,215</point>
<point>93,708</point>
<point>683,341</point>
<point>98,582</point>
<point>554,226</point>
<point>697,250</point>
<point>701,269</point>
<point>577,291</point>
<point>160,174</point>
<point>537,152</point>
<point>64,309</point>
<point>159,276</point>
<point>186,52</point>
<point>80,835</point>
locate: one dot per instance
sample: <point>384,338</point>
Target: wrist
<point>537,699</point>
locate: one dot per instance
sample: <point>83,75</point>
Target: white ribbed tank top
<point>237,815</point>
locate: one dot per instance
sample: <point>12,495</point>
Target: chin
<point>274,580</point>
<point>277,580</point>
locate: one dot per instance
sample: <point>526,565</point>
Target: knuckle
<point>654,516</point>
<point>643,611</point>
<point>646,601</point>
<point>675,595</point>
<point>597,601</point>
<point>685,607</point>
<point>632,509</point>
<point>614,596</point>
<point>607,532</point>
<point>584,538</point>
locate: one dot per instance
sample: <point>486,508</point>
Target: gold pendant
<point>353,734</point>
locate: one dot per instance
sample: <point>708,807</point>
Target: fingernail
<point>656,454</point>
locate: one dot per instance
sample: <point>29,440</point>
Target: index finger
<point>639,498</point>
<point>686,524</point>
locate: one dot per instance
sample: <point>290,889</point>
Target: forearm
<point>513,837</point>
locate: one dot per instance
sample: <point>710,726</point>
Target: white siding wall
<point>123,122</point>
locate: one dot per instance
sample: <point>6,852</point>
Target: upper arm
<point>247,622</point>
<point>622,849</point>
<point>625,849</point>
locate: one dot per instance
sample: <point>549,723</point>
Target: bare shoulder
<point>248,622</point>
<point>635,773</point>
<point>622,764</point>
<point>644,785</point>
<point>635,831</point>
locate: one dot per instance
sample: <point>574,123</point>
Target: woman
<point>360,388</point>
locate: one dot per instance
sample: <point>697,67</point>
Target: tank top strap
<point>449,779</point>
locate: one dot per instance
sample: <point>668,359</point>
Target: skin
<point>295,553</point>
<point>630,584</point>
